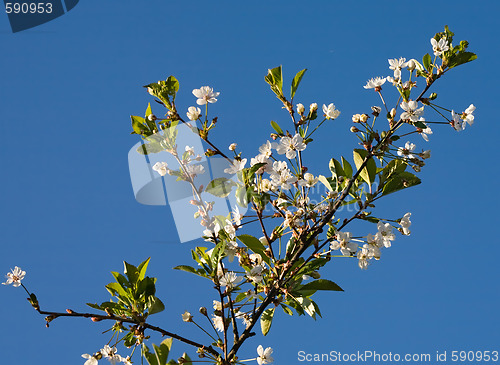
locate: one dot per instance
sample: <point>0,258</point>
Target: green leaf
<point>325,182</point>
<point>296,81</point>
<point>131,272</point>
<point>116,289</point>
<point>308,306</point>
<point>139,125</point>
<point>286,310</point>
<point>121,279</point>
<point>217,253</point>
<point>242,195</point>
<point>266,320</point>
<point>427,62</point>
<point>321,284</point>
<point>191,270</point>
<point>254,244</point>
<point>148,110</point>
<point>156,306</point>
<point>277,128</point>
<point>275,79</point>
<point>461,58</point>
<point>220,187</point>
<point>187,359</point>
<point>400,181</point>
<point>346,166</point>
<point>142,268</point>
<point>370,170</point>
<point>336,168</point>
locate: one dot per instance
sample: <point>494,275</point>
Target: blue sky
<point>68,212</point>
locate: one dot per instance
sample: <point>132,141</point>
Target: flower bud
<point>393,112</point>
<point>152,117</point>
<point>363,118</point>
<point>300,109</point>
<point>354,129</point>
<point>274,136</point>
<point>187,317</point>
<point>313,107</point>
<point>203,311</point>
<point>411,65</point>
<point>232,146</point>
<point>355,118</point>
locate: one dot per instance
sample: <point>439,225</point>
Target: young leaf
<point>336,168</point>
<point>220,187</point>
<point>321,284</point>
<point>277,128</point>
<point>400,181</point>
<point>325,182</point>
<point>346,166</point>
<point>142,268</point>
<point>296,81</point>
<point>266,320</point>
<point>370,170</point>
<point>461,58</point>
<point>427,62</point>
<point>156,306</point>
<point>254,244</point>
<point>131,272</point>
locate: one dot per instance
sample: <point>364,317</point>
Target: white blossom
<point>230,250</point>
<point>344,243</point>
<point>232,146</point>
<point>384,235</point>
<point>255,275</point>
<point>439,47</point>
<point>91,360</point>
<point>161,168</point>
<point>309,180</point>
<point>284,179</point>
<point>205,94</point>
<point>411,110</point>
<point>457,121</point>
<point>407,150</point>
<point>193,113</point>
<point>229,279</point>
<point>194,170</point>
<point>425,132</point>
<point>264,355</point>
<point>289,146</point>
<point>405,223</point>
<point>426,154</point>
<point>374,83</point>
<point>110,354</point>
<point>330,111</point>
<point>218,323</point>
<point>237,166</point>
<point>15,276</point>
<point>397,65</point>
<point>468,116</point>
